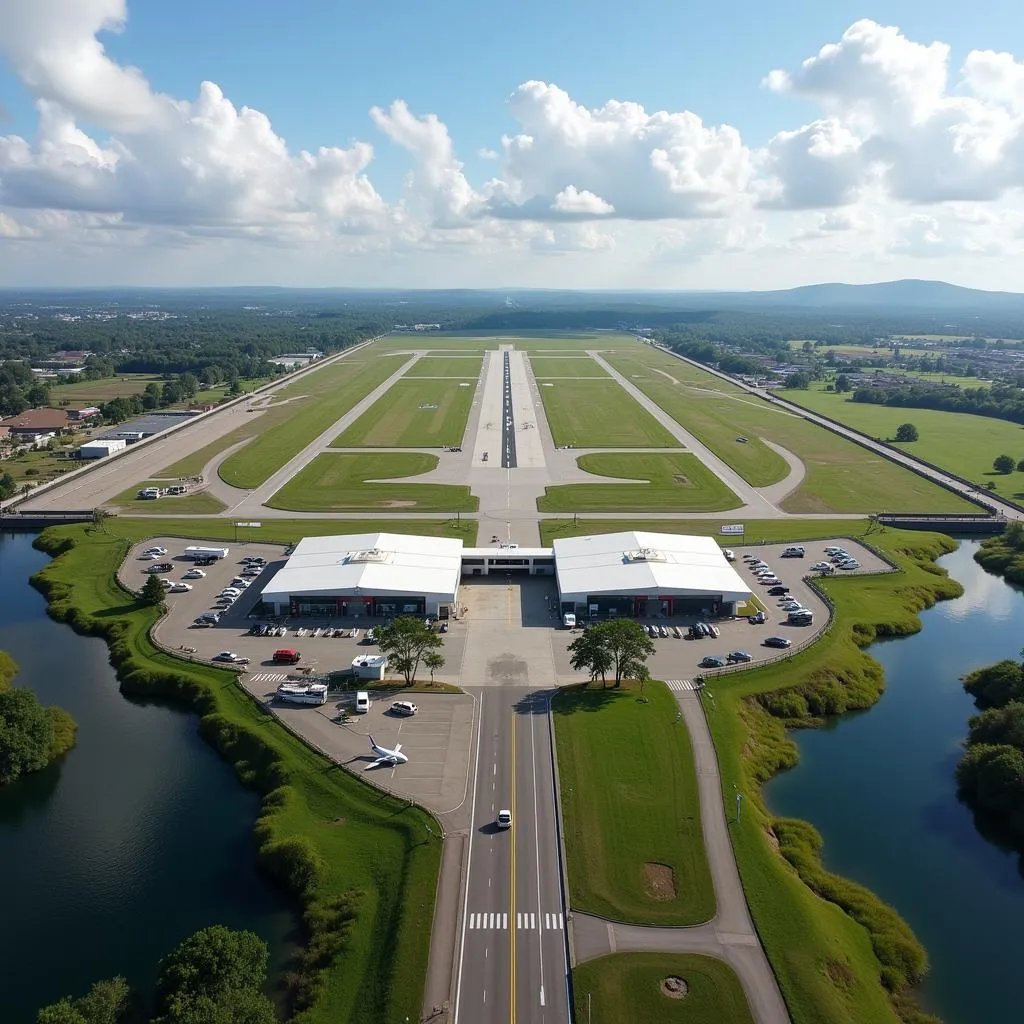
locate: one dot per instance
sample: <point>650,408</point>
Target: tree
<point>799,380</point>
<point>619,646</point>
<point>433,661</point>
<point>1004,463</point>
<point>843,382</point>
<point>152,591</point>
<point>213,964</point>
<point>107,1003</point>
<point>26,733</point>
<point>1020,466</point>
<point>8,487</point>
<point>406,642</point>
<point>906,432</point>
<point>589,652</point>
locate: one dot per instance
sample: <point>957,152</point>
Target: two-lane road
<point>512,959</point>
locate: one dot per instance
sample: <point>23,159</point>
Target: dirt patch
<point>399,504</point>
<point>659,881</point>
<point>773,839</point>
<point>674,987</point>
<point>680,479</point>
<point>839,974</point>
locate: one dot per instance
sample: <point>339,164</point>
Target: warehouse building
<point>374,575</point>
<point>645,575</point>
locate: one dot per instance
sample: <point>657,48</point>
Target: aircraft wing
<point>381,761</point>
<point>398,748</point>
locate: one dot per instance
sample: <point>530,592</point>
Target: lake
<point>879,787</point>
<point>140,836</point>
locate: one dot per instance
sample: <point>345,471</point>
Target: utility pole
<point>739,798</point>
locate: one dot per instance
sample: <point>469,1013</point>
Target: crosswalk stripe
<point>504,921</point>
<point>679,685</point>
<point>519,920</point>
<point>561,922</point>
<point>533,922</point>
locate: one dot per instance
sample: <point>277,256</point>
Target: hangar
<point>371,575</point>
<point>645,575</point>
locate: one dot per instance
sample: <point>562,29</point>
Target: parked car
<point>444,627</point>
<point>240,583</point>
<point>738,656</point>
<point>180,588</point>
<point>371,637</point>
<point>712,662</point>
<point>730,555</point>
<point>778,590</point>
<point>790,606</point>
<point>403,707</point>
<point>160,567</point>
<point>231,592</point>
<point>777,641</point>
<point>758,619</point>
<point>194,574</point>
<point>850,564</point>
<point>231,657</point>
<point>663,631</point>
<point>166,583</point>
<point>287,656</point>
<point>794,552</point>
<point>769,581</point>
<point>251,573</point>
<point>155,551</point>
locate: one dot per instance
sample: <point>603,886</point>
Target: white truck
<point>197,553</point>
<point>569,620</point>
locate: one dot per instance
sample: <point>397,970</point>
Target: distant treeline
<point>1000,401</point>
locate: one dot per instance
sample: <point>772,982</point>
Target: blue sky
<point>105,176</point>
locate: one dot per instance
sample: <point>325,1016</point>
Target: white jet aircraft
<point>386,756</point>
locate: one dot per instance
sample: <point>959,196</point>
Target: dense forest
<point>1000,401</point>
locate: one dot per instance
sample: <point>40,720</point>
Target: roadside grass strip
<point>841,476</point>
<point>466,367</point>
<point>360,864</point>
<point>676,481</point>
<point>338,482</point>
<point>599,414</point>
<point>630,811</point>
<point>628,987</point>
<point>565,366</point>
<point>959,442</point>
<point>413,414</point>
<point>320,399</point>
<point>197,504</point>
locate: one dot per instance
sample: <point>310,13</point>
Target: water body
<point>879,787</point>
<point>137,838</point>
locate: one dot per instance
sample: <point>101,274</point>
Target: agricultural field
<point>565,366</point>
<point>423,413</point>
<point>959,442</point>
<point>344,482</point>
<point>841,476</point>
<point>675,481</point>
<point>93,392</point>
<point>599,414</point>
<point>466,367</point>
<point>300,413</point>
<point>630,804</point>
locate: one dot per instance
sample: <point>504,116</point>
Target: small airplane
<point>386,756</point>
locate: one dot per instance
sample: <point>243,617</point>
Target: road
<point>512,959</point>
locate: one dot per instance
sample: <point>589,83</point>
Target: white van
<point>569,620</point>
<point>362,702</point>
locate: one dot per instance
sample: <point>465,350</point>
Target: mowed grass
<point>319,399</point>
<point>629,801</point>
<point>347,482</point>
<point>675,481</point>
<point>413,414</point>
<point>841,476</point>
<point>769,531</point>
<point>565,366</point>
<point>196,504</point>
<point>959,442</point>
<point>599,414</point>
<point>627,987</point>
<point>93,392</point>
<point>466,367</point>
<point>368,847</point>
<point>428,342</point>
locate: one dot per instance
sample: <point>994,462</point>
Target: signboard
<point>733,530</point>
<point>249,524</point>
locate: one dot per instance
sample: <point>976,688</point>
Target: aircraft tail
<point>372,744</point>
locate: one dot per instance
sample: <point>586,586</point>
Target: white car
<point>195,574</point>
<point>231,592</point>
<point>730,555</point>
<point>166,583</point>
<point>851,563</point>
<point>180,588</point>
<point>240,583</point>
<point>504,819</point>
<point>155,551</point>
<point>231,657</point>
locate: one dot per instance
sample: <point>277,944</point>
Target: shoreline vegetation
<point>1003,555</point>
<point>360,864</point>
<point>32,735</point>
<point>839,952</point>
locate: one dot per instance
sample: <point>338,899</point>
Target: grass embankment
<point>1004,555</point>
<point>565,366</point>
<point>840,953</point>
<point>198,503</point>
<point>758,530</point>
<point>630,808</point>
<point>361,864</point>
<point>627,987</point>
<point>338,482</point>
<point>599,414</point>
<point>466,367</point>
<point>413,414</point>
<point>313,403</point>
<point>677,482</point>
<point>957,441</point>
<point>841,476</point>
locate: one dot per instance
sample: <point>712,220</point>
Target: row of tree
<point>215,976</point>
<point>1000,401</point>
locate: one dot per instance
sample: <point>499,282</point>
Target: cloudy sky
<point>581,143</point>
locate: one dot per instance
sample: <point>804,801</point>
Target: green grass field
<point>565,366</point>
<point>198,504</point>
<point>319,399</point>
<point>337,482</point>
<point>413,414</point>
<point>962,443</point>
<point>675,481</point>
<point>627,987</point>
<point>96,391</point>
<point>599,414</point>
<point>841,476</point>
<point>769,531</point>
<point>466,367</point>
<point>366,846</point>
<point>629,804</point>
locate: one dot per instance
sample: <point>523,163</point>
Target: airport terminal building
<point>382,575</point>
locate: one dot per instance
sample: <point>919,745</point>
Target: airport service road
<point>512,958</point>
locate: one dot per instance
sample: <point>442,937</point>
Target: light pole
<point>739,798</point>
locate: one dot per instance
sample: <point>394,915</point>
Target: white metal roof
<point>376,563</point>
<point>645,563</point>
